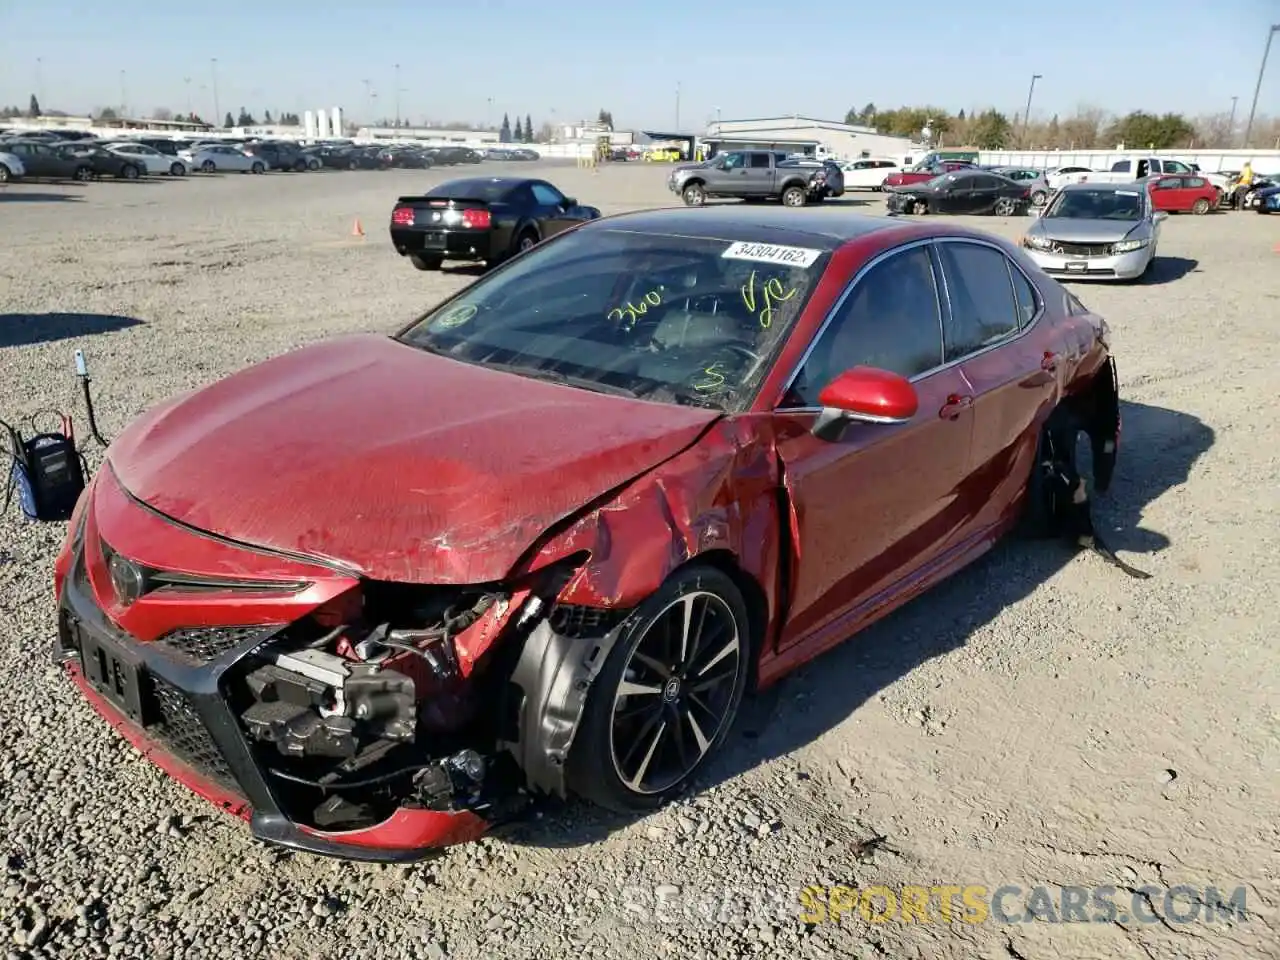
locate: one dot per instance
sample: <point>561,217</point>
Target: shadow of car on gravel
<point>1167,270</point>
<point>1162,446</point>
<point>14,196</point>
<point>25,329</point>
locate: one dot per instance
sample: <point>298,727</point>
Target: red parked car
<point>1182,194</point>
<point>925,170</point>
<point>373,594</point>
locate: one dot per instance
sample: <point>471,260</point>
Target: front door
<point>552,207</point>
<point>730,175</point>
<point>1168,193</point>
<point>881,501</point>
<point>1011,364</point>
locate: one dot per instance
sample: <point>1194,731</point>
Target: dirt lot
<point>1039,720</point>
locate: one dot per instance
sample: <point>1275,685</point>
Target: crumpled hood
<point>1075,230</point>
<point>400,464</point>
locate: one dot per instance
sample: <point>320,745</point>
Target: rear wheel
<point>667,695</point>
<point>1038,198</point>
<point>1005,207</point>
<point>1200,207</point>
<point>208,166</point>
<point>794,197</point>
<point>426,261</point>
<point>258,168</point>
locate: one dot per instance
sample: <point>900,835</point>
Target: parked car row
<point>77,155</point>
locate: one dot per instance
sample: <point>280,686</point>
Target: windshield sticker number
<point>772,253</point>
<point>631,312</point>
<point>711,380</point>
<point>761,298</point>
<point>457,317</point>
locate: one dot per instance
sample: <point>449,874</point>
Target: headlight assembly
<point>1128,246</point>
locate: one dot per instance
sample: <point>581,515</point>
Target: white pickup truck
<point>1137,166</point>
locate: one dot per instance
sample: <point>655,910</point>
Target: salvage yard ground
<point>1041,719</point>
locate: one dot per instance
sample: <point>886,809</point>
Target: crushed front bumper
<point>174,711</point>
<point>1072,266</point>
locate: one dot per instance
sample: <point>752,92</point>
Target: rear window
<point>689,320</point>
<point>487,190</point>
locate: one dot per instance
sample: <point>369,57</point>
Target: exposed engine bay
<point>370,703</point>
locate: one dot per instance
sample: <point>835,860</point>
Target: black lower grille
<point>183,732</point>
<point>1082,249</point>
<point>201,645</point>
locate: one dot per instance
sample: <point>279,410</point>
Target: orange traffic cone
<point>357,230</point>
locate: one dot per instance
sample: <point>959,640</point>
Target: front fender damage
<point>718,502</point>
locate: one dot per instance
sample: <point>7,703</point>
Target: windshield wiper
<point>554,376</point>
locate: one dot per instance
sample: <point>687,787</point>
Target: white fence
<point>1210,161</point>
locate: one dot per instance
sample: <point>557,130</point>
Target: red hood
<point>401,464</point>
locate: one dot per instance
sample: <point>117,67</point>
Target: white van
<point>867,173</point>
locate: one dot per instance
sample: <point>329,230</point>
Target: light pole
<point>397,96</point>
<point>1248,127</point>
<point>1026,115</point>
<point>217,108</point>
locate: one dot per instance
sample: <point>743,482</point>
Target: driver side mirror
<point>864,395</point>
<point>570,202</point>
<point>1160,215</point>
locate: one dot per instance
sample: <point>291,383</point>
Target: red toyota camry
<point>374,594</point>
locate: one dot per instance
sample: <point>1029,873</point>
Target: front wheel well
<point>752,593</point>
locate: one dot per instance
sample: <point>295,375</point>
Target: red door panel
<point>875,505</point>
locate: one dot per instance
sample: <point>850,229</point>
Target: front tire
<point>694,195</point>
<point>667,695</point>
<point>177,170</point>
<point>4,173</point>
<point>129,172</point>
<point>83,174</point>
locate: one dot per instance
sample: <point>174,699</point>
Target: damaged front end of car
<point>444,699</point>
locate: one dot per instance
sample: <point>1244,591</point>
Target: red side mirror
<point>871,395</point>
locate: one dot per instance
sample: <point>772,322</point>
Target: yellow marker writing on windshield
<point>712,379</point>
<point>771,292</point>
<point>631,312</point>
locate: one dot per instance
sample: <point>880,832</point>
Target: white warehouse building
<point>796,134</point>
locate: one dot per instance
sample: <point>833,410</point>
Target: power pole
<point>1248,128</point>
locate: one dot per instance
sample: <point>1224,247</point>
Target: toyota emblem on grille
<point>126,579</point>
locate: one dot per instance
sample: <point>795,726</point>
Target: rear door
<point>992,329</point>
<point>759,175</point>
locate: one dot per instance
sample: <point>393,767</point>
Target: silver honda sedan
<point>212,158</point>
<point>1096,231</point>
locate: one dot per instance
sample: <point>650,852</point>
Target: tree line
<point>520,134</point>
<point>1087,128</point>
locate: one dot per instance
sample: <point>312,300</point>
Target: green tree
<point>229,121</point>
<point>266,117</point>
<point>245,119</point>
<point>991,130</point>
<point>528,129</point>
<point>106,113</point>
<point>605,118</point>
<point>504,133</point>
<point>34,109</point>
<point>1140,130</point>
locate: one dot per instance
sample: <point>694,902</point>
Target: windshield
<point>690,320</point>
<point>1096,205</point>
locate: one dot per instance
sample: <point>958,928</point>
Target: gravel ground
<point>1039,719</point>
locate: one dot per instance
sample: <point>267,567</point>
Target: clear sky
<point>566,59</point>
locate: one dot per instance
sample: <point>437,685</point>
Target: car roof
<point>1101,185</point>
<point>827,229</point>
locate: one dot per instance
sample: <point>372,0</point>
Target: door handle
<point>1049,362</point>
<point>955,404</point>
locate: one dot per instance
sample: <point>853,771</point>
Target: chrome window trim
<point>943,295</point>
